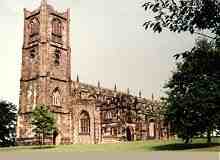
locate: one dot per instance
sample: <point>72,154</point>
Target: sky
<point>108,44</point>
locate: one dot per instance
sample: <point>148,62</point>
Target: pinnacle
<point>44,2</point>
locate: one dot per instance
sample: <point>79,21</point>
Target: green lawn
<point>143,146</point>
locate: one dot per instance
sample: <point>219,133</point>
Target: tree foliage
<point>43,122</point>
<point>7,123</point>
<point>193,96</point>
<point>184,15</point>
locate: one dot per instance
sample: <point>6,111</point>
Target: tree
<point>184,15</point>
<point>43,122</point>
<point>7,123</point>
<point>193,92</point>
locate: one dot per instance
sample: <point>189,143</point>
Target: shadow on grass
<point>182,146</point>
<point>44,147</point>
<point>26,148</point>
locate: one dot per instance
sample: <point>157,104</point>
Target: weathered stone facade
<point>84,113</point>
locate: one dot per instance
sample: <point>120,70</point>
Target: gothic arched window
<point>56,101</point>
<point>84,123</point>
<point>32,54</point>
<point>57,57</point>
<point>56,30</point>
<point>34,27</point>
<point>151,128</point>
<point>108,115</point>
<point>56,27</point>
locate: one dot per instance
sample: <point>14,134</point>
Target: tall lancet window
<point>152,128</point>
<point>56,101</point>
<point>108,115</point>
<point>34,29</point>
<point>57,55</point>
<point>57,30</point>
<point>84,123</point>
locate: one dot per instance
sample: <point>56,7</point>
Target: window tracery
<point>56,101</point>
<point>57,57</point>
<point>34,26</point>
<point>32,54</point>
<point>34,29</point>
<point>84,123</point>
<point>152,128</point>
<point>57,30</point>
<point>108,115</point>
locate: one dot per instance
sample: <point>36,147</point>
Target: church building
<point>84,113</point>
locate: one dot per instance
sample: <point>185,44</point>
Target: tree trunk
<point>209,136</point>
<point>39,138</point>
<point>43,137</point>
<point>186,140</point>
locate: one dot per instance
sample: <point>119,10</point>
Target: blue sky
<point>108,44</point>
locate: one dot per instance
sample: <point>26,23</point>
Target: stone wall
<point>41,76</point>
<point>93,136</point>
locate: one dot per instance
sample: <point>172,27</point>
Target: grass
<point>138,146</point>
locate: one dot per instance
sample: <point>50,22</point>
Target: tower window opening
<point>32,54</point>
<point>34,30</point>
<point>57,57</point>
<point>56,97</point>
<point>57,30</point>
<point>34,27</point>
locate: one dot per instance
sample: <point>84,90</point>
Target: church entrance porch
<point>129,133</point>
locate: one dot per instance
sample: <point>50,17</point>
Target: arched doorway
<point>129,134</point>
<point>151,128</point>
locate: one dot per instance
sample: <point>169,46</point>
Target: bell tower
<point>45,72</point>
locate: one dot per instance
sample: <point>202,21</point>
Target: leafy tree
<point>184,15</point>
<point>43,122</point>
<point>7,123</point>
<point>193,95</point>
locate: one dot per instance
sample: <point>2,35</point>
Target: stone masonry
<point>84,113</point>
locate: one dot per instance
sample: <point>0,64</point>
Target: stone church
<point>84,113</point>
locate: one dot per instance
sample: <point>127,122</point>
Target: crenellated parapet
<point>115,105</point>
